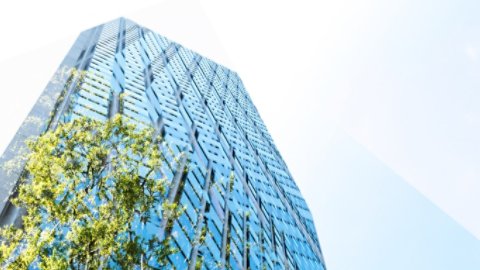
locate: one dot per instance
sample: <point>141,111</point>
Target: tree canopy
<point>94,198</point>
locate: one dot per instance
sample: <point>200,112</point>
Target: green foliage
<point>90,191</point>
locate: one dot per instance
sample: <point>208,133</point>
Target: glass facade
<point>243,209</point>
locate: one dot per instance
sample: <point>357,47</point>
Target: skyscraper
<point>238,189</point>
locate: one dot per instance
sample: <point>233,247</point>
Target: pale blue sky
<point>373,104</point>
<point>371,218</point>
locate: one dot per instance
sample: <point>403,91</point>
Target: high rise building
<point>238,189</point>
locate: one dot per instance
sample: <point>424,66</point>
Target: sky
<point>372,104</point>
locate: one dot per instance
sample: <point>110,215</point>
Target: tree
<point>94,196</point>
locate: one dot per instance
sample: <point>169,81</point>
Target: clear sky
<point>373,105</point>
